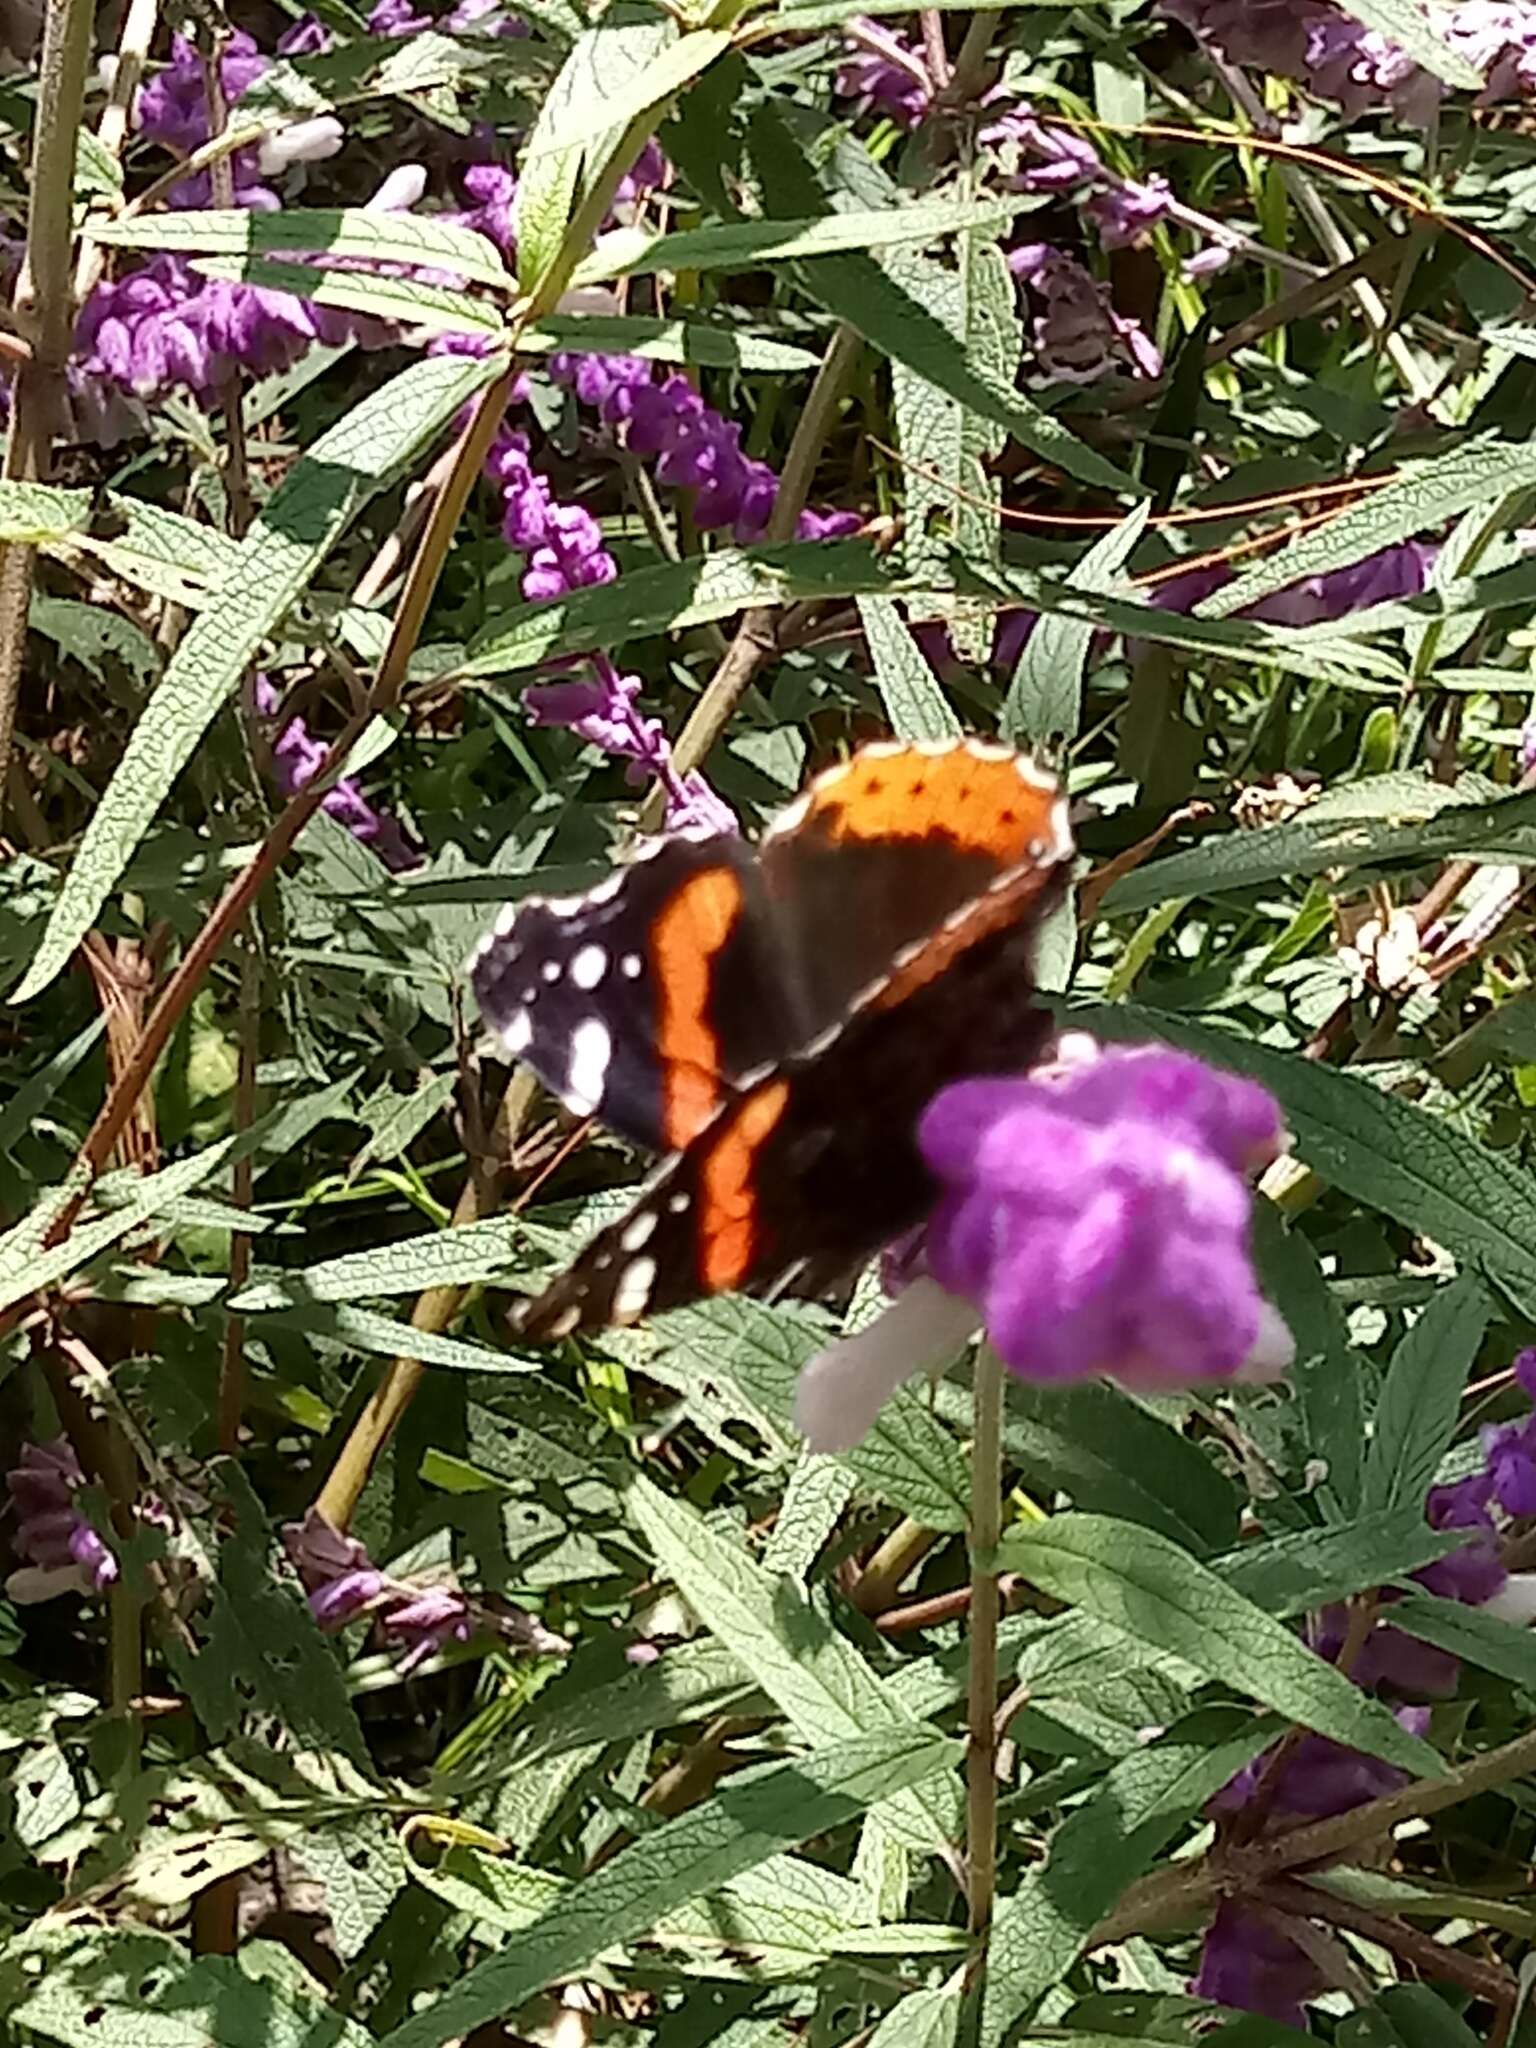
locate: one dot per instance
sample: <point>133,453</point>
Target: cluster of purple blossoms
<point>1248,1960</point>
<point>698,449</point>
<point>297,757</point>
<point>563,548</point>
<point>419,1619</point>
<point>1093,1216</point>
<point>885,72</point>
<point>1338,59</point>
<point>1078,336</point>
<point>64,1553</point>
<point>1046,157</point>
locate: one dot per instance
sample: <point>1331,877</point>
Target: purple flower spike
<point>885,72</point>
<point>297,757</point>
<point>1525,1373</point>
<point>51,1533</point>
<point>1476,1572</point>
<point>1100,1220</point>
<point>426,1622</point>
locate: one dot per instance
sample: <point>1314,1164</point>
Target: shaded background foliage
<point>1148,383</point>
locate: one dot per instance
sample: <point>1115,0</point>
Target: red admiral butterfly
<point>774,1019</point>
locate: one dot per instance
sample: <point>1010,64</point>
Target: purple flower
<point>173,108</point>
<point>1100,1219</point>
<point>698,450</point>
<point>341,1580</point>
<point>885,71</point>
<point>1047,157</point>
<point>297,757</point>
<point>1475,1572</point>
<point>602,708</point>
<point>1249,1963</point>
<point>1389,1659</point>
<point>1509,1452</point>
<point>1094,1216</point>
<point>425,1621</point>
<point>51,1533</point>
<point>1078,336</point>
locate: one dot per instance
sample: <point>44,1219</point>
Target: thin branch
<point>1490,1982</point>
<point>981,1636</point>
<point>44,313</point>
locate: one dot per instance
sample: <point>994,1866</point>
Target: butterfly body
<point>774,1021</point>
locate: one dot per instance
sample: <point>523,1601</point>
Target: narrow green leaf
<point>1045,697</point>
<point>870,300</point>
<point>1143,1583</point>
<point>107,1987</point>
<point>1042,1929</point>
<point>751,1818</point>
<point>815,1675</point>
<point>438,309</point>
<point>817,1491</point>
<point>315,231</point>
<point>754,244</point>
<point>1292,1574</point>
<point>460,1256</point>
<point>299,524</point>
<point>26,1265</point>
<point>35,513</point>
<point>1484,1639</point>
<point>1421,1400</point>
<point>1425,496</point>
<point>714,346</point>
<point>673,595</point>
<point>923,2019</point>
<point>1312,845</point>
<point>1412,28</point>
<point>914,702</point>
<point>650,88</point>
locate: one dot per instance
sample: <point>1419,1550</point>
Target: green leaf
<point>437,309</point>
<point>100,1987</point>
<point>815,1494</point>
<point>263,1651</point>
<point>1421,1400</point>
<point>751,1818</point>
<point>27,1264</point>
<point>1484,1639</point>
<point>32,514</point>
<point>316,231</point>
<point>815,1675</point>
<point>1308,1568</point>
<point>1407,24</point>
<point>714,346</point>
<point>677,594</point>
<point>1042,1929</point>
<point>649,89</point>
<point>1143,1583</point>
<point>603,65</point>
<point>1045,697</point>
<point>899,325</point>
<point>797,17</point>
<point>1417,1168</point>
<point>1314,845</point>
<point>296,529</point>
<point>755,244</point>
<point>914,702</point>
<point>1426,495</point>
<point>923,2019</point>
<point>460,1256</point>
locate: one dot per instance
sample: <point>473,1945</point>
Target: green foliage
<point>694,1757</point>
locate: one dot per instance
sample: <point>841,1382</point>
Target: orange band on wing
<point>727,1214</point>
<point>684,942</point>
<point>983,803</point>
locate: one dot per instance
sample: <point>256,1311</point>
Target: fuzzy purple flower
<point>1047,157</point>
<point>1094,1216</point>
<point>884,71</point>
<point>67,1553</point>
<point>297,757</point>
<point>1249,1963</point>
<point>698,450</point>
<point>1077,334</point>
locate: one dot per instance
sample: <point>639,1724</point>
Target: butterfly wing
<point>814,1167</point>
<point>647,999</point>
<point>882,850</point>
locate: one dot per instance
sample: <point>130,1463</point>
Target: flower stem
<point>981,1746</point>
<point>44,310</point>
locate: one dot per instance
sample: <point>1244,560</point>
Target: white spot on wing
<point>587,1074</point>
<point>506,919</point>
<point>589,966</point>
<point>517,1032</point>
<point>633,1290</point>
<point>551,970</point>
<point>933,749</point>
<point>632,966</point>
<point>639,1230</point>
<point>678,1203</point>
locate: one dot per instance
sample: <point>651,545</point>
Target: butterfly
<point>772,1020</point>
